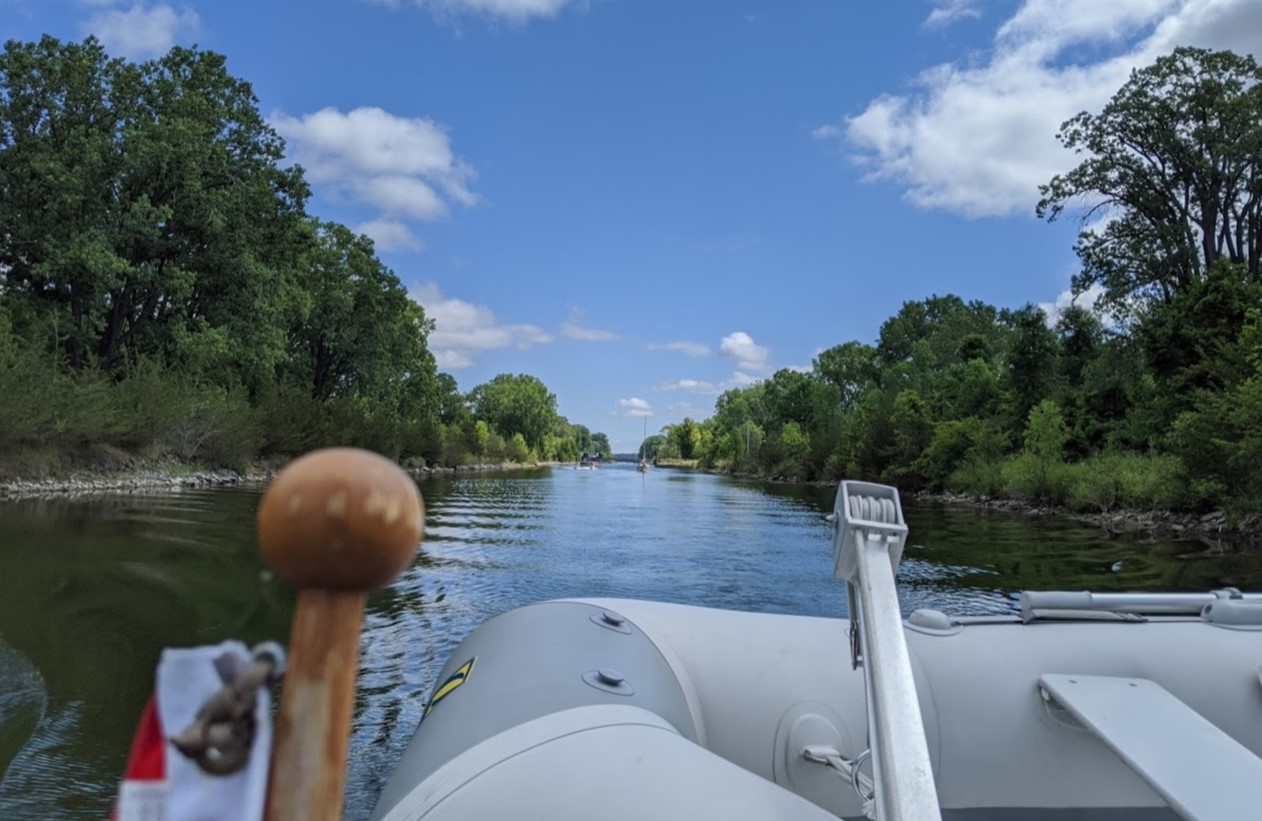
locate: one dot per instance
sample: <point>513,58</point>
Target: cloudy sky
<point>646,202</point>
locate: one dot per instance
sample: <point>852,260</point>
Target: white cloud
<point>574,328</point>
<point>572,331</point>
<point>695,349</point>
<point>403,166</point>
<point>977,137</point>
<point>1087,299</point>
<point>948,11</point>
<point>749,356</point>
<point>142,31</point>
<point>636,407</point>
<point>407,196</point>
<point>390,235</point>
<point>752,361</point>
<point>691,386</point>
<point>463,330</point>
<point>516,10</point>
<point>692,410</point>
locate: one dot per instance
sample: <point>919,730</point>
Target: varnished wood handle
<point>336,524</point>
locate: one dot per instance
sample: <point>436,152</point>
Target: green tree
<point>938,332</point>
<point>145,210</point>
<point>686,437</point>
<point>852,366</point>
<point>1045,438</point>
<point>1031,360</point>
<point>481,436</point>
<point>516,404</point>
<point>1175,158</point>
<point>795,448</point>
<point>912,430</point>
<point>1192,341</point>
<point>360,335</point>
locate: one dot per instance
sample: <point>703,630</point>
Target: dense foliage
<point>164,292</point>
<point>1155,405</point>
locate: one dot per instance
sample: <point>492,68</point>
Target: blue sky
<point>645,202</point>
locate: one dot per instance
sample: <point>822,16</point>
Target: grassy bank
<point>675,463</point>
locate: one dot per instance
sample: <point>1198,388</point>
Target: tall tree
<point>144,208</point>
<point>852,366</point>
<point>516,404</point>
<point>937,332</point>
<point>359,335</point>
<point>686,436</point>
<point>1175,161</point>
<point>1031,359</point>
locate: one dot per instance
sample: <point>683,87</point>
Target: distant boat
<point>643,464</point>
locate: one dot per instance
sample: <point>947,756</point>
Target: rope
<point>847,771</point>
<point>873,509</point>
<point>221,736</point>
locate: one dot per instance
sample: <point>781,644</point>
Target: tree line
<point>165,293</point>
<point>1150,400</point>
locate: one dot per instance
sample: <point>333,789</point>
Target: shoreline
<point>175,477</point>
<point>1214,530</point>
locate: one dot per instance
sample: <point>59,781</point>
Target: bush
<point>291,420</point>
<point>517,450</point>
<point>1034,478</point>
<point>1130,480</point>
<point>1093,485</point>
<point>948,448</point>
<point>216,426</point>
<point>981,477</point>
<point>1151,481</point>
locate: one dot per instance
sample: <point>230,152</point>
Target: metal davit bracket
<point>867,548</point>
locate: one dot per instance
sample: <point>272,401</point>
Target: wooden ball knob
<point>341,519</point>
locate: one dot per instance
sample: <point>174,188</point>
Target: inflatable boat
<point>1080,706</point>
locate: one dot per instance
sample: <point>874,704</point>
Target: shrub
<point>978,476</point>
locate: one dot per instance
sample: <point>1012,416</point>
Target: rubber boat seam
<point>430,808</point>
<point>684,676</point>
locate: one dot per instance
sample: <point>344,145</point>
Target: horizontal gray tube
<point>1148,603</point>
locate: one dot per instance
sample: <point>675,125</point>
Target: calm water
<point>92,589</point>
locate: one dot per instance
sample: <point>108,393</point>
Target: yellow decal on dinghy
<point>449,686</point>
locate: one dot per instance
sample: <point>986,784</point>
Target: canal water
<point>92,589</point>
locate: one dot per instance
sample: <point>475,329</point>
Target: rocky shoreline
<point>1215,530</point>
<point>175,478</point>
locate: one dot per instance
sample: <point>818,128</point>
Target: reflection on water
<point>92,589</point>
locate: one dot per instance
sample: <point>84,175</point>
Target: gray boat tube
<point>704,713</point>
<point>534,662</point>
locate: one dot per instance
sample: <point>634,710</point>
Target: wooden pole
<point>335,524</point>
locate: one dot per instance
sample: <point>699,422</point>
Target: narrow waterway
<point>92,589</point>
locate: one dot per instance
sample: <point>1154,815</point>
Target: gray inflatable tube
<point>617,709</point>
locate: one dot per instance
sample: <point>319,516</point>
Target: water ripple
<point>92,589</point>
